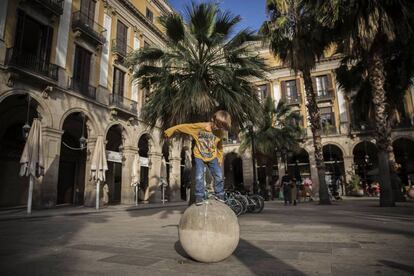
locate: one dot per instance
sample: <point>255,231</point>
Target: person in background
<point>287,186</point>
<point>294,191</point>
<point>307,183</point>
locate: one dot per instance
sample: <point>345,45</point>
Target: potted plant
<point>354,186</point>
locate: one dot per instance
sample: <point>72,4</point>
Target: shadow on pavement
<point>403,267</point>
<point>258,261</point>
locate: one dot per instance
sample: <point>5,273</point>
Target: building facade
<point>63,61</point>
<point>347,133</point>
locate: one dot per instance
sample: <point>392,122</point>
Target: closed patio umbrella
<point>163,178</point>
<point>98,166</point>
<point>135,176</point>
<point>32,163</point>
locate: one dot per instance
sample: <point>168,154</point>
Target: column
<point>127,192</point>
<point>348,166</point>
<point>175,179</point>
<point>45,188</point>
<point>154,191</point>
<point>90,185</point>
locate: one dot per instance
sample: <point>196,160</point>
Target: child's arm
<point>190,129</point>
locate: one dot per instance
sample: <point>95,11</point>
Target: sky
<point>252,12</point>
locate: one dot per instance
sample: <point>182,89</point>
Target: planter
<point>410,192</point>
<point>358,192</point>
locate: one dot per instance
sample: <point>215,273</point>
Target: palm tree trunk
<point>314,117</point>
<point>383,130</point>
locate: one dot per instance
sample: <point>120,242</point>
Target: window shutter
<point>283,89</point>
<point>298,88</point>
<point>330,84</point>
<point>314,85</point>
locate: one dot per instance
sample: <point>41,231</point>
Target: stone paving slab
<point>304,240</point>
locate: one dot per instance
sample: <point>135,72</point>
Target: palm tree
<point>279,128</point>
<point>295,35</point>
<point>201,69</point>
<point>399,76</point>
<point>365,29</point>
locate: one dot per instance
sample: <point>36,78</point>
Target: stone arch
<point>47,118</point>
<point>343,150</point>
<point>404,156</point>
<point>365,161</point>
<point>125,132</point>
<point>90,123</point>
<point>404,136</point>
<point>298,164</point>
<point>151,142</point>
<point>334,162</point>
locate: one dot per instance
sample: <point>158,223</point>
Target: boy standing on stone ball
<point>208,150</point>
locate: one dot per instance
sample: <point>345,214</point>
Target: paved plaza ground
<point>351,237</point>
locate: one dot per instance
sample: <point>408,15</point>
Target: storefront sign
<point>114,156</point>
<point>144,161</point>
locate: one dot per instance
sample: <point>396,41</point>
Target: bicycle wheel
<point>235,205</point>
<point>258,203</point>
<point>243,200</point>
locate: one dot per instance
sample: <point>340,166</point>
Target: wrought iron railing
<point>36,64</point>
<point>323,95</point>
<point>121,48</point>
<point>83,88</point>
<point>292,100</point>
<point>123,103</point>
<point>56,6</point>
<point>86,24</point>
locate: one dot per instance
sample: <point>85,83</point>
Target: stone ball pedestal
<point>210,232</point>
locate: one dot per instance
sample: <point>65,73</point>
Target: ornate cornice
<point>127,4</point>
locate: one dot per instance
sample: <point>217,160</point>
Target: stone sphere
<point>210,232</point>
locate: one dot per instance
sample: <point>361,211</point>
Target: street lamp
<point>26,126</point>
<point>249,126</point>
<point>82,139</point>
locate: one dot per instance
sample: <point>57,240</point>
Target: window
<point>118,86</point>
<point>291,90</point>
<point>262,92</point>
<point>87,9</point>
<point>121,37</point>
<point>150,15</point>
<point>81,69</point>
<point>322,86</point>
<point>327,119</point>
<point>33,42</point>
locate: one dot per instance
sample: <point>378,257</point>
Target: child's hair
<point>222,119</point>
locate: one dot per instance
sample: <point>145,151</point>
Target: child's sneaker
<point>199,201</point>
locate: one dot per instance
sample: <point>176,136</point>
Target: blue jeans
<point>215,171</point>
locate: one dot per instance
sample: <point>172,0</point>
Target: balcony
<point>292,100</point>
<point>123,104</point>
<point>52,6</point>
<point>325,95</point>
<point>121,50</point>
<point>328,129</point>
<point>91,30</point>
<point>31,64</point>
<point>82,88</point>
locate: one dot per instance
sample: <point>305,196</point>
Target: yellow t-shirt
<point>208,144</point>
